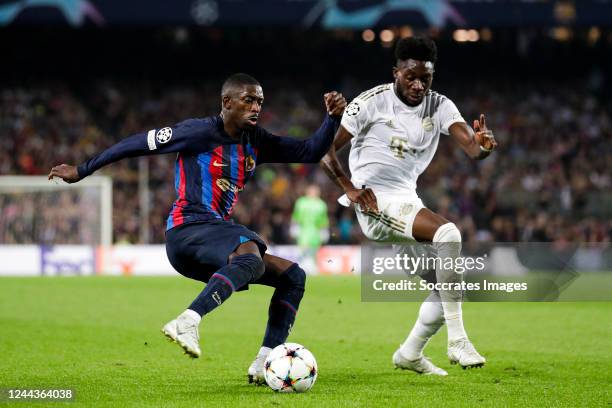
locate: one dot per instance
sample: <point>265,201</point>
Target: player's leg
<point>446,238</point>
<point>245,265</point>
<point>410,356</point>
<point>289,281</point>
<point>394,223</point>
<point>226,256</point>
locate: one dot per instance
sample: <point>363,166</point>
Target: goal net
<point>34,210</point>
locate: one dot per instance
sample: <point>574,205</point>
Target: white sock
<point>447,241</point>
<point>264,351</point>
<point>190,314</point>
<point>454,321</point>
<point>431,318</point>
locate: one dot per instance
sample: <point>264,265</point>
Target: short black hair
<point>236,80</point>
<point>418,48</point>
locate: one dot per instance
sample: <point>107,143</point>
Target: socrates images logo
<point>164,135</point>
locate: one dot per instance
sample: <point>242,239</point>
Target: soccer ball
<point>290,368</point>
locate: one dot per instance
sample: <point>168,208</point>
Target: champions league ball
<point>290,368</point>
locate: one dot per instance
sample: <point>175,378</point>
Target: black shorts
<point>198,250</point>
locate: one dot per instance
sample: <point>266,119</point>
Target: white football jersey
<point>393,143</point>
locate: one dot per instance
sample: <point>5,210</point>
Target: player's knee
<point>295,277</point>
<point>431,312</point>
<point>251,262</point>
<point>431,319</point>
<point>447,233</point>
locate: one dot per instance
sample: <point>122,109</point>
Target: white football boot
<point>421,365</point>
<point>256,369</point>
<point>184,331</point>
<point>462,352</point>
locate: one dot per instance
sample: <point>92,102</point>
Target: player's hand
<point>66,172</point>
<point>364,197</point>
<point>484,137</point>
<point>334,103</point>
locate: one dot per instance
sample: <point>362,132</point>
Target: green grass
<point>100,336</point>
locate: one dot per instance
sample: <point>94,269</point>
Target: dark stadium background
<point>544,85</point>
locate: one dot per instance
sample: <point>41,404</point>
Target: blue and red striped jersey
<point>211,167</point>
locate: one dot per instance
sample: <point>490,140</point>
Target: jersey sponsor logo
<point>164,135</point>
<point>428,124</point>
<point>217,164</point>
<point>151,139</point>
<point>352,109</point>
<point>226,185</point>
<point>249,163</point>
<point>398,146</point>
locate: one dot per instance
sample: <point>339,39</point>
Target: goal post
<point>35,210</point>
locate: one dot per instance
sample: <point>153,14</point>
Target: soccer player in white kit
<point>394,130</point>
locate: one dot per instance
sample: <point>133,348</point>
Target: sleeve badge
<point>352,109</point>
<point>164,135</point>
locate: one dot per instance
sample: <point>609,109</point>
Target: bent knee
<point>433,319</point>
<point>259,267</point>
<point>295,276</point>
<point>447,233</point>
<point>251,262</point>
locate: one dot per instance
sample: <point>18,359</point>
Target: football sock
<point>431,318</point>
<point>264,351</point>
<point>454,321</point>
<point>447,241</point>
<point>240,271</point>
<point>190,314</point>
<point>284,305</point>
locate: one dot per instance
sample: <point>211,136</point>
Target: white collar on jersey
<point>399,105</point>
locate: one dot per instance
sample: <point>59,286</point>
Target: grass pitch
<point>101,337</point>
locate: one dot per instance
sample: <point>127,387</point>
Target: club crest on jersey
<point>164,135</point>
<point>352,109</point>
<point>249,163</point>
<point>428,124</point>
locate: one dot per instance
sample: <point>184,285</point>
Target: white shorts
<point>393,222</point>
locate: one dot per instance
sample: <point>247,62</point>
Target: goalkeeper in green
<point>310,224</point>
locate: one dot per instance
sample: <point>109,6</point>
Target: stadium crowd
<point>549,181</point>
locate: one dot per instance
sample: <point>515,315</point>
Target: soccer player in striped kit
<point>216,158</point>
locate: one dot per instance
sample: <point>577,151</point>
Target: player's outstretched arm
<point>331,165</point>
<point>478,144</point>
<point>280,149</point>
<point>154,141</point>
